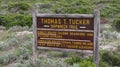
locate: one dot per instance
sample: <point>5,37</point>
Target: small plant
<point>18,28</point>
<point>18,65</point>
<point>111,57</point>
<point>75,65</point>
<point>87,64</point>
<point>116,23</point>
<point>73,60</point>
<point>28,45</point>
<point>16,20</point>
<point>7,58</point>
<point>79,62</point>
<point>23,52</point>
<point>22,6</point>
<point>51,62</point>
<point>29,63</point>
<point>103,64</point>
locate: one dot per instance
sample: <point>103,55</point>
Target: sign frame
<point>96,17</point>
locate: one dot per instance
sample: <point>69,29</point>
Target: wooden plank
<point>66,30</point>
<point>67,15</point>
<point>96,36</point>
<point>34,37</point>
<point>65,50</point>
<point>66,39</point>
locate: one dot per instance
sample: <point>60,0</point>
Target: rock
<point>108,47</point>
<point>23,33</point>
<point>118,36</point>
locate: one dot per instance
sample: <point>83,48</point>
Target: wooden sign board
<point>65,31</point>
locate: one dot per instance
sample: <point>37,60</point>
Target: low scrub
<point>19,6</point>
<point>80,62</point>
<point>111,57</point>
<point>15,20</point>
<point>116,23</point>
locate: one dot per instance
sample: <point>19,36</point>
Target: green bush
<point>103,64</point>
<point>18,65</point>
<point>22,6</point>
<point>18,29</point>
<point>23,52</point>
<point>55,54</point>
<point>73,60</point>
<point>87,64</point>
<point>29,63</point>
<point>74,65</point>
<point>111,57</point>
<point>46,62</point>
<point>15,20</point>
<point>72,10</point>
<point>116,23</point>
<point>79,62</point>
<point>28,45</point>
<point>76,7</point>
<point>9,43</point>
<point>7,58</point>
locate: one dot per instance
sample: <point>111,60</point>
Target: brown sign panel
<point>65,23</point>
<point>64,32</point>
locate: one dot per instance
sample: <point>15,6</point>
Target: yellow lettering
<point>79,21</point>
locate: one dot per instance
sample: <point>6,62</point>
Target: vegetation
<point>15,20</point>
<point>15,12</point>
<point>111,57</point>
<point>16,42</point>
<point>116,24</point>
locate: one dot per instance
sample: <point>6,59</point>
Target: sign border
<point>96,17</point>
<point>63,16</point>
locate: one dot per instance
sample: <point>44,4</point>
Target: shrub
<point>18,65</point>
<point>87,64</point>
<point>69,10</point>
<point>51,63</point>
<point>22,6</point>
<point>29,63</point>
<point>116,23</point>
<point>73,60</point>
<point>15,20</point>
<point>75,65</point>
<point>79,62</point>
<point>28,45</point>
<point>18,28</point>
<point>57,54</point>
<point>23,53</point>
<point>12,42</point>
<point>76,7</point>
<point>103,64</point>
<point>9,43</point>
<point>7,58</point>
<point>111,57</point>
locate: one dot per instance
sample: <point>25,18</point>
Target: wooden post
<point>96,36</point>
<point>35,55</point>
